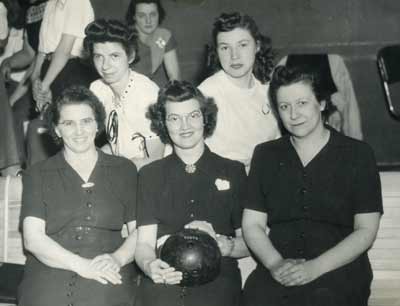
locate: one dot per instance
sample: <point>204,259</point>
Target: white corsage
<point>161,43</point>
<point>222,184</point>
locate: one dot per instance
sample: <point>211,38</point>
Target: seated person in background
<point>11,152</point>
<point>124,93</point>
<point>343,112</point>
<point>58,65</point>
<point>18,83</point>
<point>191,188</point>
<point>319,193</point>
<point>157,50</point>
<point>74,205</point>
<point>241,59</point>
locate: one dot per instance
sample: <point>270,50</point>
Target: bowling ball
<point>195,253</point>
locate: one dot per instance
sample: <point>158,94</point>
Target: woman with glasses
<point>124,93</point>
<point>240,61</point>
<point>74,205</point>
<point>191,188</point>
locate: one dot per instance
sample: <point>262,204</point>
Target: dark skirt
<point>46,286</point>
<point>223,291</point>
<point>332,289</point>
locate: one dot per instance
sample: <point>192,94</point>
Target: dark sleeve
<point>32,195</point>
<point>130,190</point>
<point>171,44</point>
<point>367,194</point>
<point>147,197</point>
<point>255,197</point>
<point>239,196</point>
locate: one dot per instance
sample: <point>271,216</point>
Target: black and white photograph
<point>199,153</point>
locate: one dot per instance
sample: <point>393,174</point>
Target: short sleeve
<point>367,194</point>
<point>255,196</point>
<point>129,182</point>
<point>78,14</point>
<point>3,22</point>
<point>32,195</point>
<point>171,44</point>
<point>239,196</point>
<point>147,198</point>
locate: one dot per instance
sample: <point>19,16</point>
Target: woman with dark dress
<point>158,57</point>
<point>319,193</point>
<point>73,208</point>
<point>191,188</point>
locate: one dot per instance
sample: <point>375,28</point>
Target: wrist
<point>273,262</point>
<point>76,264</point>
<point>146,266</point>
<point>318,267</point>
<point>118,259</point>
<point>45,86</point>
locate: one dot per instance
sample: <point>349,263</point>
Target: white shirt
<point>65,17</point>
<point>3,21</point>
<point>131,111</point>
<point>244,117</point>
<point>15,43</point>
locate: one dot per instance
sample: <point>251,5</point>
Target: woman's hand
<point>282,267</point>
<point>106,262</point>
<point>161,273</point>
<point>297,272</point>
<point>204,226</point>
<point>86,268</point>
<point>41,95</point>
<point>5,69</point>
<point>225,244</point>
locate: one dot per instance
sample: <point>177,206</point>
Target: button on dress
<point>86,221</point>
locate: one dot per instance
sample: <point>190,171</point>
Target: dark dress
<point>144,65</point>
<point>311,209</point>
<point>171,198</point>
<point>86,221</point>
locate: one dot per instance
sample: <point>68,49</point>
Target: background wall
<point>355,29</point>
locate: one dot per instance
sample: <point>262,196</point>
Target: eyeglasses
<point>112,127</point>
<point>194,119</point>
<point>143,145</point>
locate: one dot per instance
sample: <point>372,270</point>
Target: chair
<point>389,69</point>
<point>10,277</point>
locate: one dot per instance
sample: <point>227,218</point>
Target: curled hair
<point>263,64</point>
<point>103,30</point>
<point>130,14</point>
<point>284,76</point>
<point>180,91</point>
<point>74,95</point>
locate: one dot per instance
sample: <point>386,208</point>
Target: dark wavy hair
<point>263,64</point>
<point>74,95</point>
<point>180,91</point>
<point>284,76</point>
<point>110,30</point>
<point>131,12</point>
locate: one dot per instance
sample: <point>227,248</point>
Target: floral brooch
<point>161,43</point>
<point>222,184</point>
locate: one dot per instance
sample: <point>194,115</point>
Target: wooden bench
<point>384,255</point>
